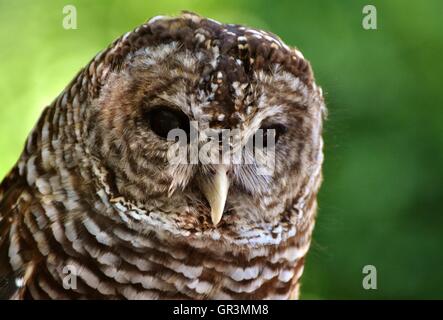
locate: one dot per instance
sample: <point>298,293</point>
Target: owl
<point>96,209</point>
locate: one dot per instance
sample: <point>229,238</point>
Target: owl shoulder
<point>12,189</point>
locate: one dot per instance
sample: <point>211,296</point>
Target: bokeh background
<point>381,201</point>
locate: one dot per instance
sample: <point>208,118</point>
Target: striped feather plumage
<point>92,189</point>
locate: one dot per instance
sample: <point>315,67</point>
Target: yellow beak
<point>216,191</point>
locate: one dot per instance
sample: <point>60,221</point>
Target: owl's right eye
<point>164,119</point>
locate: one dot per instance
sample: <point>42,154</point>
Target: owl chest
<point>129,267</point>
<point>84,249</point>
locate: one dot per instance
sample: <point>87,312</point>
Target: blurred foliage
<point>380,203</point>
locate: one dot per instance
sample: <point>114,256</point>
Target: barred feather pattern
<point>82,197</point>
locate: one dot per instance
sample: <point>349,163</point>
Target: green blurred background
<point>380,203</point>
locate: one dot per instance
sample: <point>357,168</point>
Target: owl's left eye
<point>164,119</point>
<point>277,128</point>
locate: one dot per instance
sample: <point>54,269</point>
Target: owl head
<point>198,75</point>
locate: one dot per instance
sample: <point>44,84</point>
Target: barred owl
<point>94,197</point>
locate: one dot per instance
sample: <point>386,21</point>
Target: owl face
<point>212,79</point>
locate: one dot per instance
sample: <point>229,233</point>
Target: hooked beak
<point>215,190</point>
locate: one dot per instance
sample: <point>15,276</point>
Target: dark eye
<point>279,131</point>
<point>164,119</point>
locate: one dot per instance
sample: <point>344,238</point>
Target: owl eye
<point>279,131</point>
<point>164,119</point>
